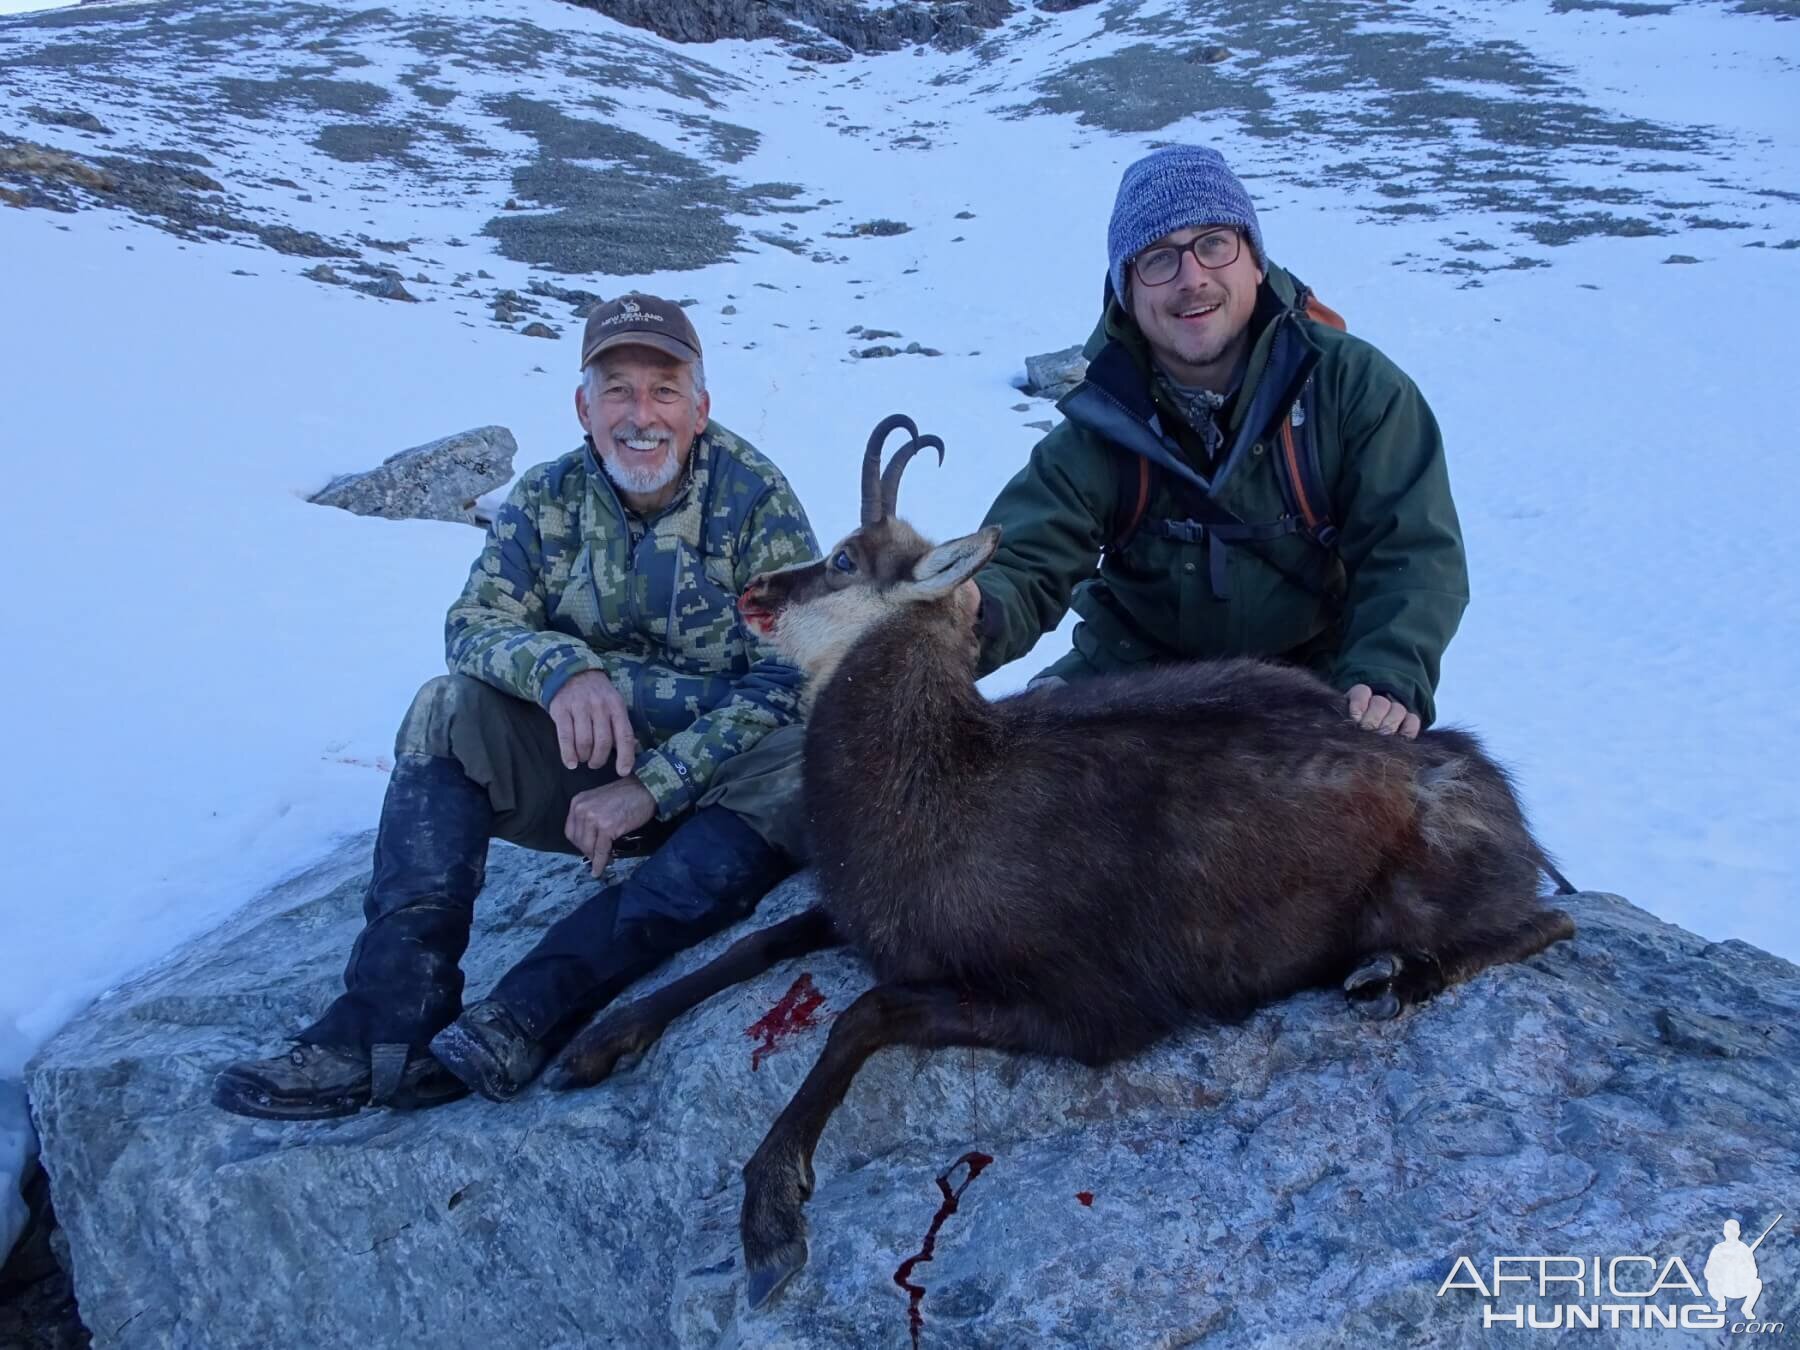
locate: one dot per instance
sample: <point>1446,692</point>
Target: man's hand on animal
<point>592,724</point>
<point>1377,712</point>
<point>968,600</point>
<point>599,816</point>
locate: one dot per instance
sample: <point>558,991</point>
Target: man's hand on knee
<point>592,724</point>
<point>600,815</point>
<point>1378,712</point>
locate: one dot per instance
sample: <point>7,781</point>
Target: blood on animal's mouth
<point>758,617</point>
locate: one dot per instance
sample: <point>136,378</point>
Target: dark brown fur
<point>1078,871</point>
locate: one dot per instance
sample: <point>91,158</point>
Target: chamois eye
<point>842,561</point>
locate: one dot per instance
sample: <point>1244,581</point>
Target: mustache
<point>631,431</point>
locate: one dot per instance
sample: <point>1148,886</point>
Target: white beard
<point>640,478</point>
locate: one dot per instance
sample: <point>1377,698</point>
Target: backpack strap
<point>1133,497</point>
<point>1302,480</point>
<point>1309,304</point>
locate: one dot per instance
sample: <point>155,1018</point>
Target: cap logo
<point>631,306</point>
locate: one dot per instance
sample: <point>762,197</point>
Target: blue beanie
<point>1171,189</point>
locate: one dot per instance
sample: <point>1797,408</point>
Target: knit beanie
<point>1171,189</point>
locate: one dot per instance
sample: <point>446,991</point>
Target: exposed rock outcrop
<point>847,26</point>
<point>439,480</point>
<point>1303,1178</point>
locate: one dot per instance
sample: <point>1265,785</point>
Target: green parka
<point>1378,607</point>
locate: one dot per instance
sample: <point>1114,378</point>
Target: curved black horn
<point>890,477</point>
<point>872,510</point>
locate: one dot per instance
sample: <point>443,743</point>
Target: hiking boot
<point>317,1082</point>
<point>490,1052</point>
<point>404,981</point>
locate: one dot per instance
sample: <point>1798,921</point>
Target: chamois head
<point>815,612</point>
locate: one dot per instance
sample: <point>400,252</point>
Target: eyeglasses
<point>1213,250</point>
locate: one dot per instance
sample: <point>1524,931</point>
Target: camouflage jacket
<point>571,581</point>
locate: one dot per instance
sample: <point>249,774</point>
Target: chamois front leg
<point>631,1030</point>
<point>778,1179</point>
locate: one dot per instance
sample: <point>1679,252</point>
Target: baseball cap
<point>639,320</point>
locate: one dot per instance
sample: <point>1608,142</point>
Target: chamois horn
<point>874,505</point>
<point>890,477</point>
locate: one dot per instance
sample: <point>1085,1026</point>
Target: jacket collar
<point>1119,382</point>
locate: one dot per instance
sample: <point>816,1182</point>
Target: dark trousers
<point>474,763</point>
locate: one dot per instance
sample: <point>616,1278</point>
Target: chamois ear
<point>950,564</point>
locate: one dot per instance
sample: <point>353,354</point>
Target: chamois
<point>1080,870</point>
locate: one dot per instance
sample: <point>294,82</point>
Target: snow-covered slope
<point>1574,224</point>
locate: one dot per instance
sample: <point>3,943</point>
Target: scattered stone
<point>1021,407</point>
<point>12,198</point>
<point>1061,6</point>
<point>581,301</point>
<point>387,286</point>
<point>1053,374</point>
<point>687,302</point>
<point>1788,243</point>
<point>304,197</point>
<point>300,243</point>
<point>539,330</point>
<point>1681,258</point>
<point>326,273</point>
<point>436,481</point>
<point>880,229</point>
<point>1208,56</point>
<point>385,245</point>
<point>876,334</point>
<point>728,310</point>
<point>484,274</point>
<point>511,205</point>
<point>1040,426</point>
<point>240,272</point>
<point>422,279</point>
<point>869,353</point>
<point>854,330</point>
<point>965,215</point>
<point>68,117</point>
<point>284,182</point>
<point>29,159</point>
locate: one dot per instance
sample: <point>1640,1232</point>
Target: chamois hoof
<point>1370,988</point>
<point>614,1043</point>
<point>767,1274</point>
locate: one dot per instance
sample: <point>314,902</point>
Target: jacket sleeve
<point>1053,517</point>
<point>765,697</point>
<point>498,631</point>
<point>1402,548</point>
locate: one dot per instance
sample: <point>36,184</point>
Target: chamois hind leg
<point>778,1179</point>
<point>1385,982</point>
<point>631,1030</point>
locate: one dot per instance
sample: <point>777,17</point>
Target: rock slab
<point>1053,374</point>
<point>1302,1179</point>
<point>439,480</point>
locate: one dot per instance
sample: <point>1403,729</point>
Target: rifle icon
<point>1766,1232</point>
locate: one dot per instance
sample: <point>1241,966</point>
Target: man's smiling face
<point>643,411</point>
<point>1198,323</point>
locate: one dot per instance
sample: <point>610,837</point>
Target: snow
<point>207,671</point>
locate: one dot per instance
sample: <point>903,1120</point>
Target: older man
<point>603,695</point>
<point>1237,476</point>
